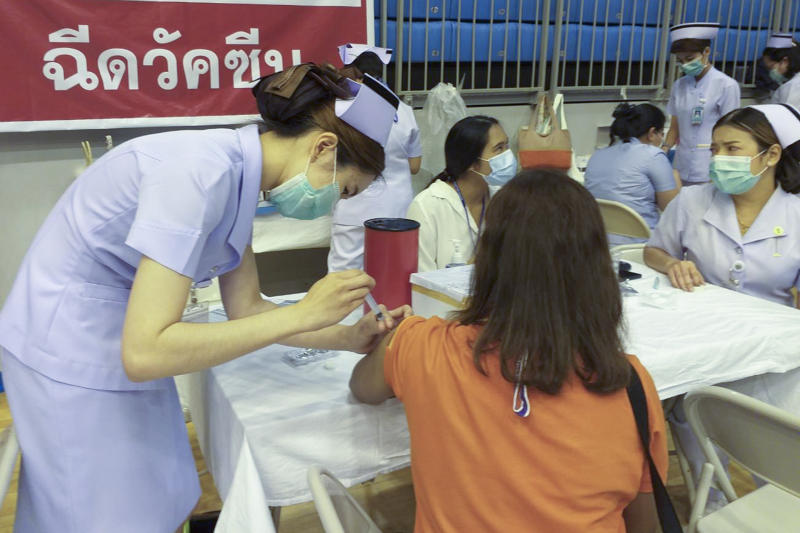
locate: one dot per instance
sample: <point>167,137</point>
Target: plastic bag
<point>443,108</point>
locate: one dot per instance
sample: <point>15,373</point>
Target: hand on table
<point>368,332</point>
<point>684,275</point>
<point>335,296</point>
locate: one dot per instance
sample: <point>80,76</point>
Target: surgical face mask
<point>777,77</point>
<point>693,67</point>
<point>298,199</point>
<point>504,167</point>
<point>731,173</point>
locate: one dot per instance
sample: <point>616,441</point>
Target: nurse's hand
<point>334,297</point>
<point>684,275</point>
<point>368,332</point>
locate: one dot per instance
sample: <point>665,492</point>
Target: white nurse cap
<point>694,30</point>
<point>780,40</point>
<point>371,111</point>
<point>349,52</point>
<point>785,121</point>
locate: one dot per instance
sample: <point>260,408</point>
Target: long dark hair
<point>635,120</point>
<point>311,106</point>
<point>753,121</point>
<point>793,53</point>
<point>464,145</point>
<point>544,286</point>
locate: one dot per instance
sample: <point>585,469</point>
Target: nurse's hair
<point>787,171</point>
<point>307,100</point>
<point>464,145</point>
<point>544,286</point>
<point>685,46</point>
<point>369,63</point>
<point>634,121</point>
<point>778,54</point>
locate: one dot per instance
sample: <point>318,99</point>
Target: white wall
<point>36,168</point>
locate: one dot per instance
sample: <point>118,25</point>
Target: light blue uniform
<point>765,262</point>
<point>788,93</point>
<point>630,173</point>
<point>703,101</point>
<point>102,453</point>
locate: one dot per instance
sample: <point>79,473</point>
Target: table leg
<point>276,516</point>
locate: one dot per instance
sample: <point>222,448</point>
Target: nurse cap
<point>349,52</point>
<point>780,40</point>
<point>694,30</point>
<point>785,122</point>
<point>369,107</point>
<point>372,110</point>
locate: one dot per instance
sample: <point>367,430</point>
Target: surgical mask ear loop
<point>520,402</point>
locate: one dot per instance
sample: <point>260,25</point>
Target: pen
<point>374,306</point>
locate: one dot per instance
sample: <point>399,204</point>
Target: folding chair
<point>765,440</point>
<point>620,219</point>
<point>338,511</point>
<point>628,252</point>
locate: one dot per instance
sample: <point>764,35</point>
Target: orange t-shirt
<point>572,466</point>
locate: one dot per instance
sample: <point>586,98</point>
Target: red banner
<point>71,64</point>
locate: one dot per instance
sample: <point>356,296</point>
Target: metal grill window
<point>601,47</point>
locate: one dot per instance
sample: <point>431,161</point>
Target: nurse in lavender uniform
<point>741,231</point>
<point>91,332</point>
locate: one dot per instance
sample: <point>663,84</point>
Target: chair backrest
<point>620,219</point>
<point>338,511</point>
<point>628,252</point>
<point>9,450</point>
<point>763,438</point>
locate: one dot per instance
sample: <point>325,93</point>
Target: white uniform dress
<point>701,223</point>
<point>788,93</point>
<point>441,217</point>
<point>101,453</point>
<point>387,197</point>
<point>698,105</point>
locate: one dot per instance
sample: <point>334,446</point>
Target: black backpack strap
<point>666,512</point>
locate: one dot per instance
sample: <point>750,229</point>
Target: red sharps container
<point>391,246</point>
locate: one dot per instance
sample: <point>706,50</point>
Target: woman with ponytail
<point>634,170</point>
<point>91,333</point>
<point>451,209</point>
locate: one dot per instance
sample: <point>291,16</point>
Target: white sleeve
<point>427,237</point>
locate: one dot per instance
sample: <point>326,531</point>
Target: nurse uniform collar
<point>694,30</point>
<point>371,110</point>
<point>780,40</point>
<point>785,121</point>
<point>349,52</point>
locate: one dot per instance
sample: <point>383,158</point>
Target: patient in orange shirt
<point>517,409</point>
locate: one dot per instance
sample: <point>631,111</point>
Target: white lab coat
<point>442,218</point>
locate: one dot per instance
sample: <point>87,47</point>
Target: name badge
<point>697,115</point>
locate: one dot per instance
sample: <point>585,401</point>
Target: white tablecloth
<point>261,423</point>
<point>273,232</point>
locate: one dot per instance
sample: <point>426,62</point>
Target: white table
<point>686,340</point>
<point>273,233</point>
<point>261,423</point>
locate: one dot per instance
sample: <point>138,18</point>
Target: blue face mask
<point>504,167</point>
<point>693,67</point>
<point>731,173</point>
<point>298,199</point>
<point>777,77</point>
